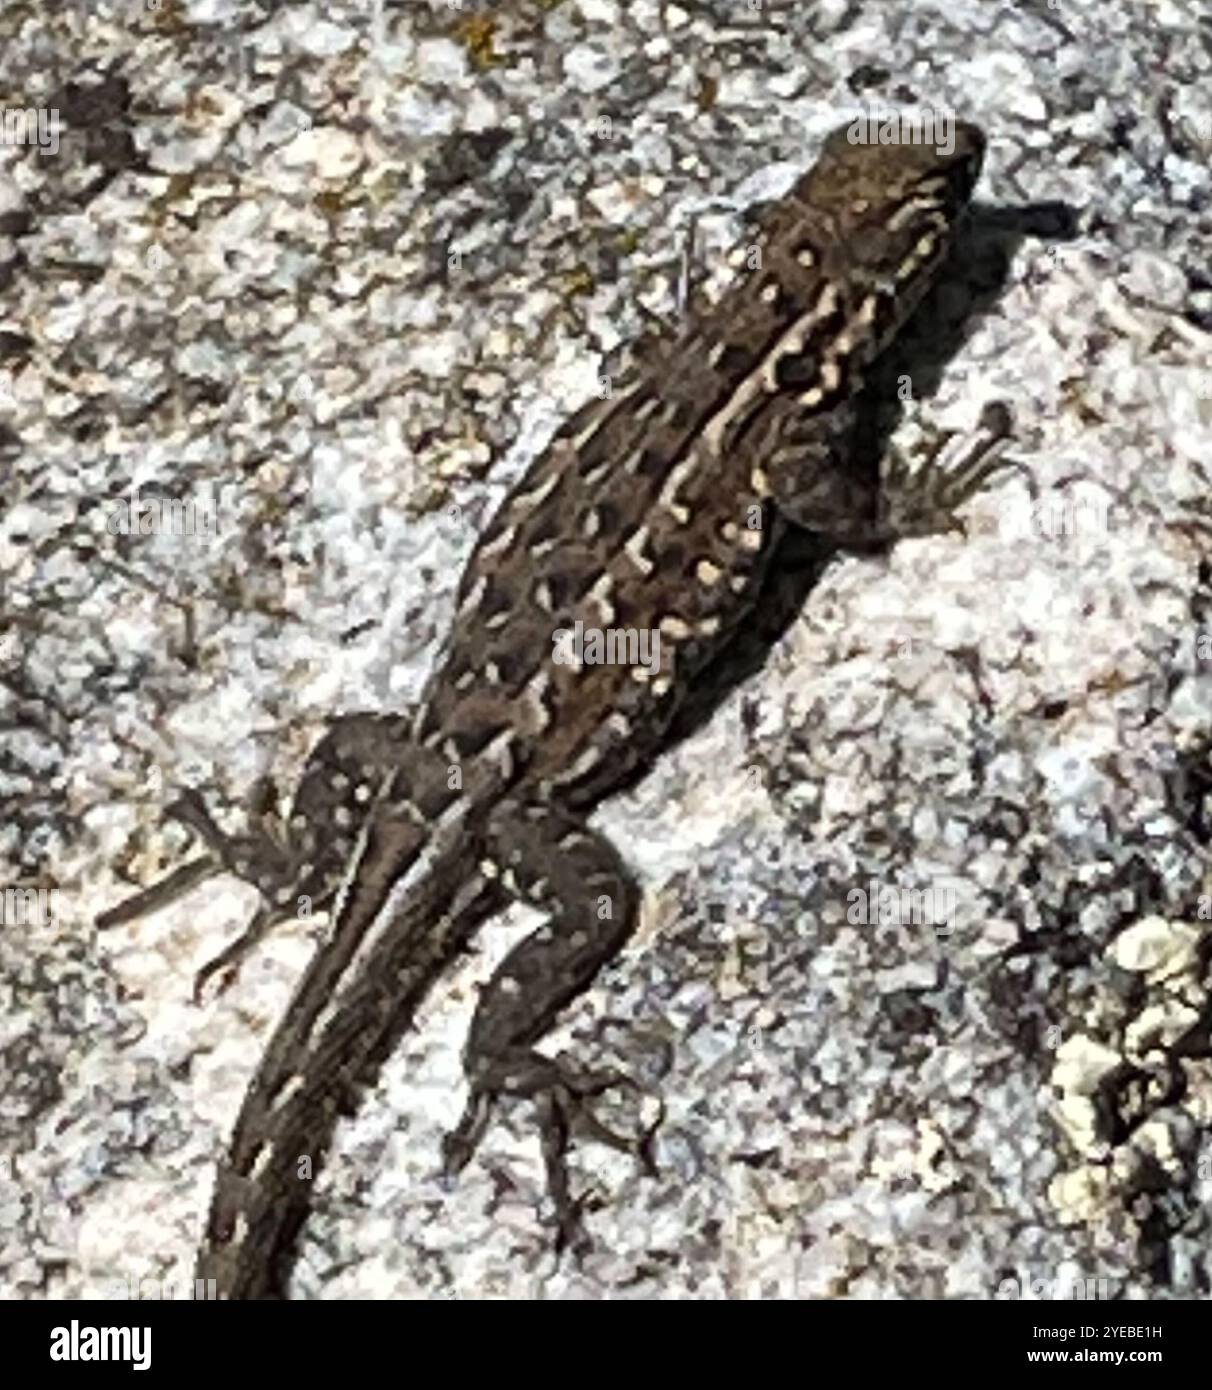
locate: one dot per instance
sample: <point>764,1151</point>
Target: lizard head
<point>880,215</point>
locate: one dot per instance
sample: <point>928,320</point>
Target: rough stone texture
<point>345,267</point>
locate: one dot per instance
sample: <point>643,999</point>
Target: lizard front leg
<point>551,860</point>
<point>814,480</point>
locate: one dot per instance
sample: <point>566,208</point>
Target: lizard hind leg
<point>302,869</point>
<point>552,861</point>
<point>298,866</point>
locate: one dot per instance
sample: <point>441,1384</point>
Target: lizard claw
<point>228,959</point>
<point>461,1143</point>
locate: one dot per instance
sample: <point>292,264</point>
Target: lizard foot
<point>563,1094</point>
<point>257,860</point>
<point>223,852</point>
<point>923,500</point>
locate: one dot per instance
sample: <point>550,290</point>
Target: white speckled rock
<point>1157,947</point>
<point>237,273</point>
<point>333,153</point>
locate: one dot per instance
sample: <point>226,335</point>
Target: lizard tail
<point>356,1000</point>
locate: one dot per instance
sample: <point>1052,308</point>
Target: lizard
<point>655,508</point>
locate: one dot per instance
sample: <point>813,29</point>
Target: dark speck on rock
<point>463,158</point>
<point>14,345</point>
